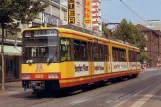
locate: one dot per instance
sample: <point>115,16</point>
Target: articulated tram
<point>58,58</point>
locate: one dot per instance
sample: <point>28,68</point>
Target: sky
<point>115,11</point>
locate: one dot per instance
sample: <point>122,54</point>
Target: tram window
<point>77,52</point>
<point>80,50</point>
<point>119,54</point>
<point>95,52</point>
<point>65,49</point>
<point>106,55</point>
<point>138,57</point>
<point>84,50</point>
<point>130,58</point>
<point>100,52</point>
<point>90,53</point>
<point>134,56</point>
<point>113,55</point>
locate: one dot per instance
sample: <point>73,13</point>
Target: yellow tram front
<point>40,68</point>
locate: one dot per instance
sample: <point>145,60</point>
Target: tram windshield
<point>40,46</point>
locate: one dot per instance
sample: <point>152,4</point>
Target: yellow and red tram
<point>56,58</point>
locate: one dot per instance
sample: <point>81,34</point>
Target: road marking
<point>145,98</point>
<point>136,94</point>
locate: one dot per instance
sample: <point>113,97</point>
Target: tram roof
<point>63,30</point>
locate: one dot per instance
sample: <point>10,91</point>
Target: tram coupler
<point>37,85</point>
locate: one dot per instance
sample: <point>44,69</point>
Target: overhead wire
<point>136,13</point>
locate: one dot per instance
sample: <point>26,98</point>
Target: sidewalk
<point>151,69</point>
<point>12,87</point>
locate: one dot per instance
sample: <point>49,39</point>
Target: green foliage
<point>123,31</point>
<point>141,41</point>
<point>145,57</point>
<point>20,10</point>
<point>127,32</point>
<point>106,31</point>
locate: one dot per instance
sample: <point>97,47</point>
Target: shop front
<point>12,63</point>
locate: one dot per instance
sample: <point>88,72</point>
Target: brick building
<point>153,48</point>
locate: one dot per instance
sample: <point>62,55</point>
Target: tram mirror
<point>29,61</point>
<point>49,60</point>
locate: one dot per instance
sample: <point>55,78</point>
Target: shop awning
<point>12,50</point>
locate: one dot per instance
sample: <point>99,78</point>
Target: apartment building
<point>94,12</point>
<point>96,15</point>
<point>54,15</point>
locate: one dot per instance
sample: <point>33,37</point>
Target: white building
<point>153,24</point>
<point>96,15</point>
<point>96,22</point>
<point>55,14</point>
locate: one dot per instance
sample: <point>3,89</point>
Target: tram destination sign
<point>39,33</point>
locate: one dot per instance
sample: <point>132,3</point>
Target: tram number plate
<point>39,76</point>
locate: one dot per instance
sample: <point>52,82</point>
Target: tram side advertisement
<point>99,68</point>
<point>81,69</point>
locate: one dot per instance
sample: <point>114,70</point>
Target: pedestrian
<point>142,67</point>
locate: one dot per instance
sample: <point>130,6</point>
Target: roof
<point>143,28</point>
<point>64,30</point>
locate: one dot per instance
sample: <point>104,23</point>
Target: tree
<point>122,32</point>
<point>145,58</point>
<point>141,41</point>
<point>13,11</point>
<point>127,32</point>
<point>106,31</point>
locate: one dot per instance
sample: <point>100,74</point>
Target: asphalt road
<point>143,91</point>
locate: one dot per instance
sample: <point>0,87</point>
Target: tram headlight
<point>26,76</point>
<point>50,76</point>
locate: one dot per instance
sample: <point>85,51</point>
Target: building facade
<point>12,55</point>
<point>96,15</point>
<point>55,14</point>
<point>154,24</point>
<point>153,48</point>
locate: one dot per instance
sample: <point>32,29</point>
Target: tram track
<point>105,94</point>
<point>65,102</point>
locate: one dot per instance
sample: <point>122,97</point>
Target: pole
<point>2,56</point>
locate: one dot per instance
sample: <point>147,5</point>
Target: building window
<point>65,15</point>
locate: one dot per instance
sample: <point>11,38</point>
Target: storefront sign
<point>71,12</point>
<point>50,19</point>
<point>87,12</point>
